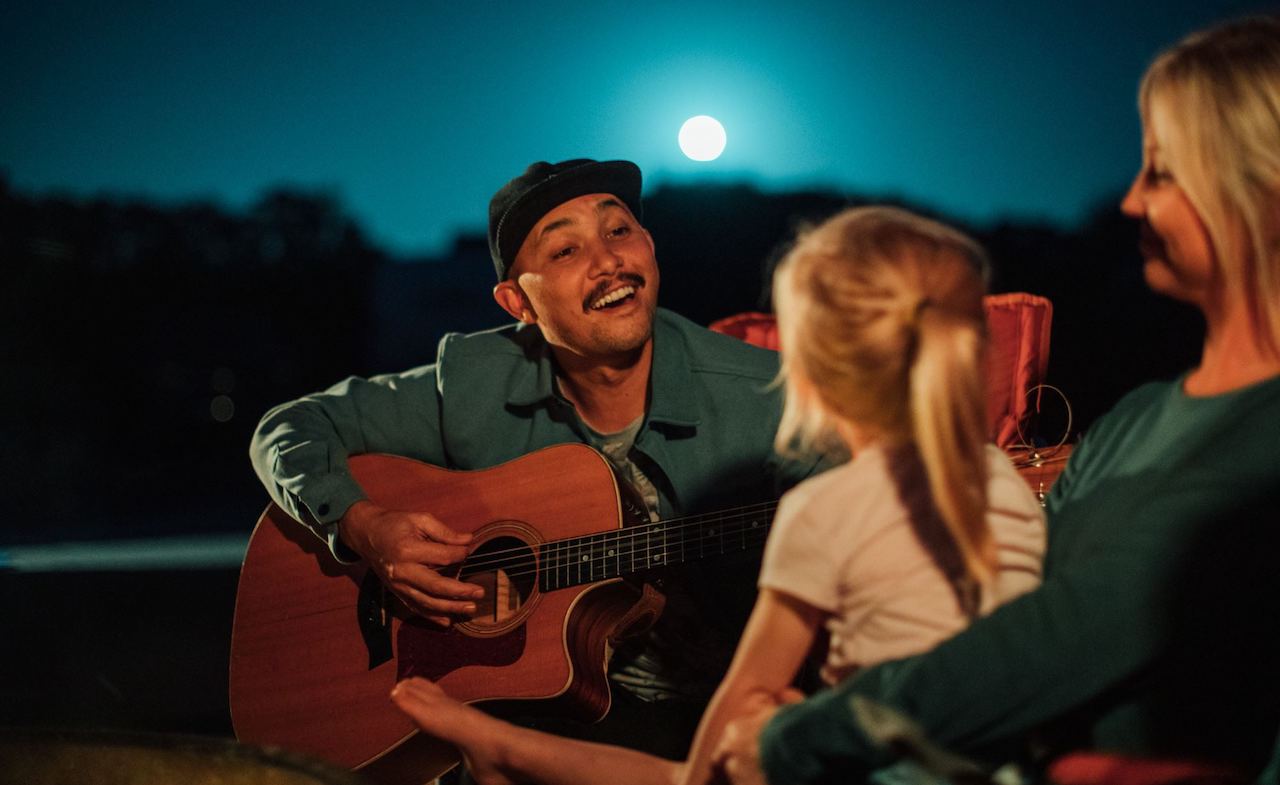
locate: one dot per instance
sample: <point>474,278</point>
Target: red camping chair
<point>1017,361</point>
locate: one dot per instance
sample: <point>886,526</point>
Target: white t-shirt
<point>856,542</point>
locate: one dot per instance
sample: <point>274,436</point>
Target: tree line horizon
<point>141,341</point>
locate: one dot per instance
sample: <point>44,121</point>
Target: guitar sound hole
<point>504,567</point>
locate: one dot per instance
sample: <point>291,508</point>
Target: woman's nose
<point>1132,203</point>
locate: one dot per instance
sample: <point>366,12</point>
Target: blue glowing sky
<point>414,113</point>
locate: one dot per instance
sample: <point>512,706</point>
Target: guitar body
<point>317,645</point>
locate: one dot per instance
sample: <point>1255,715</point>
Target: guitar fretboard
<point>612,554</point>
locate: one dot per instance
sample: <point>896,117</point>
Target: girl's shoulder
<point>835,489</point>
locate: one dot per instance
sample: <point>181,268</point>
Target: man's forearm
<point>299,450</point>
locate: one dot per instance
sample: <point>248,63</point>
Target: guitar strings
<point>751,538</point>
<point>675,524</point>
<point>649,529</point>
<point>554,558</point>
<point>557,555</point>
<point>559,558</point>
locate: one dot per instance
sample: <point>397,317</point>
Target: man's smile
<point>614,293</point>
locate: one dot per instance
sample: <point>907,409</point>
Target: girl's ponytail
<point>948,423</point>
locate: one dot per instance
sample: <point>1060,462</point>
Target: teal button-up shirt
<point>706,441</point>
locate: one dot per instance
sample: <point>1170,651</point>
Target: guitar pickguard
<point>374,619</point>
<point>424,649</point>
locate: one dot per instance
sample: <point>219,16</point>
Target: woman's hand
<point>737,755</point>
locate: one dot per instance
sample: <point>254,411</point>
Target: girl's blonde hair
<point>881,322</point>
<point>1218,92</point>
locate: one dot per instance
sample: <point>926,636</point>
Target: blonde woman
<point>923,530</point>
<point>1157,629</point>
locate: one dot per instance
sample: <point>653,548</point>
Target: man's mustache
<point>635,279</point>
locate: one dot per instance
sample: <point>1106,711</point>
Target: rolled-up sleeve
<point>299,450</point>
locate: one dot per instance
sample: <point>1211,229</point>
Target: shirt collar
<point>670,379</point>
<point>534,383</point>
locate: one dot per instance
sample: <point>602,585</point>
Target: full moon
<point>702,138</point>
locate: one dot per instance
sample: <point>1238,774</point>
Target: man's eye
<point>620,231</point>
<point>563,253</point>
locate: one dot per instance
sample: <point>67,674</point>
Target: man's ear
<point>510,299</point>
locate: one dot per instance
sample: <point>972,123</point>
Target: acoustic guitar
<point>317,645</point>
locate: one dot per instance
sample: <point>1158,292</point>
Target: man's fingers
<point>433,554</point>
<point>431,582</point>
<point>438,609</point>
<point>438,532</point>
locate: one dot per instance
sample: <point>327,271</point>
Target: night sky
<point>412,114</point>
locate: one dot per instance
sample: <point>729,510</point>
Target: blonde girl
<point>926,527</point>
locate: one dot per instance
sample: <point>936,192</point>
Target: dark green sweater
<point>1156,631</point>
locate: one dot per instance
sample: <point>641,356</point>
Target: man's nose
<point>604,260</point>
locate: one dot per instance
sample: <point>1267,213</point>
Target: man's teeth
<point>613,297</point>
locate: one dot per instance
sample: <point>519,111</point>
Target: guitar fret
<point>562,565</point>
<point>611,554</point>
<point>603,555</point>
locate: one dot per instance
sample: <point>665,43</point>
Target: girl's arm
<point>774,644</point>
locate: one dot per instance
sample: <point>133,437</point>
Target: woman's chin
<point>1161,280</point>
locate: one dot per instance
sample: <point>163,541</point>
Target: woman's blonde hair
<point>881,322</point>
<point>1218,92</point>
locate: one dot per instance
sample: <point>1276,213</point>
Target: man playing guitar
<point>682,414</point>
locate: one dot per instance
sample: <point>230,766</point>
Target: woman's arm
<point>778,635</point>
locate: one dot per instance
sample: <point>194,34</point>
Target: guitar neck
<point>613,554</point>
